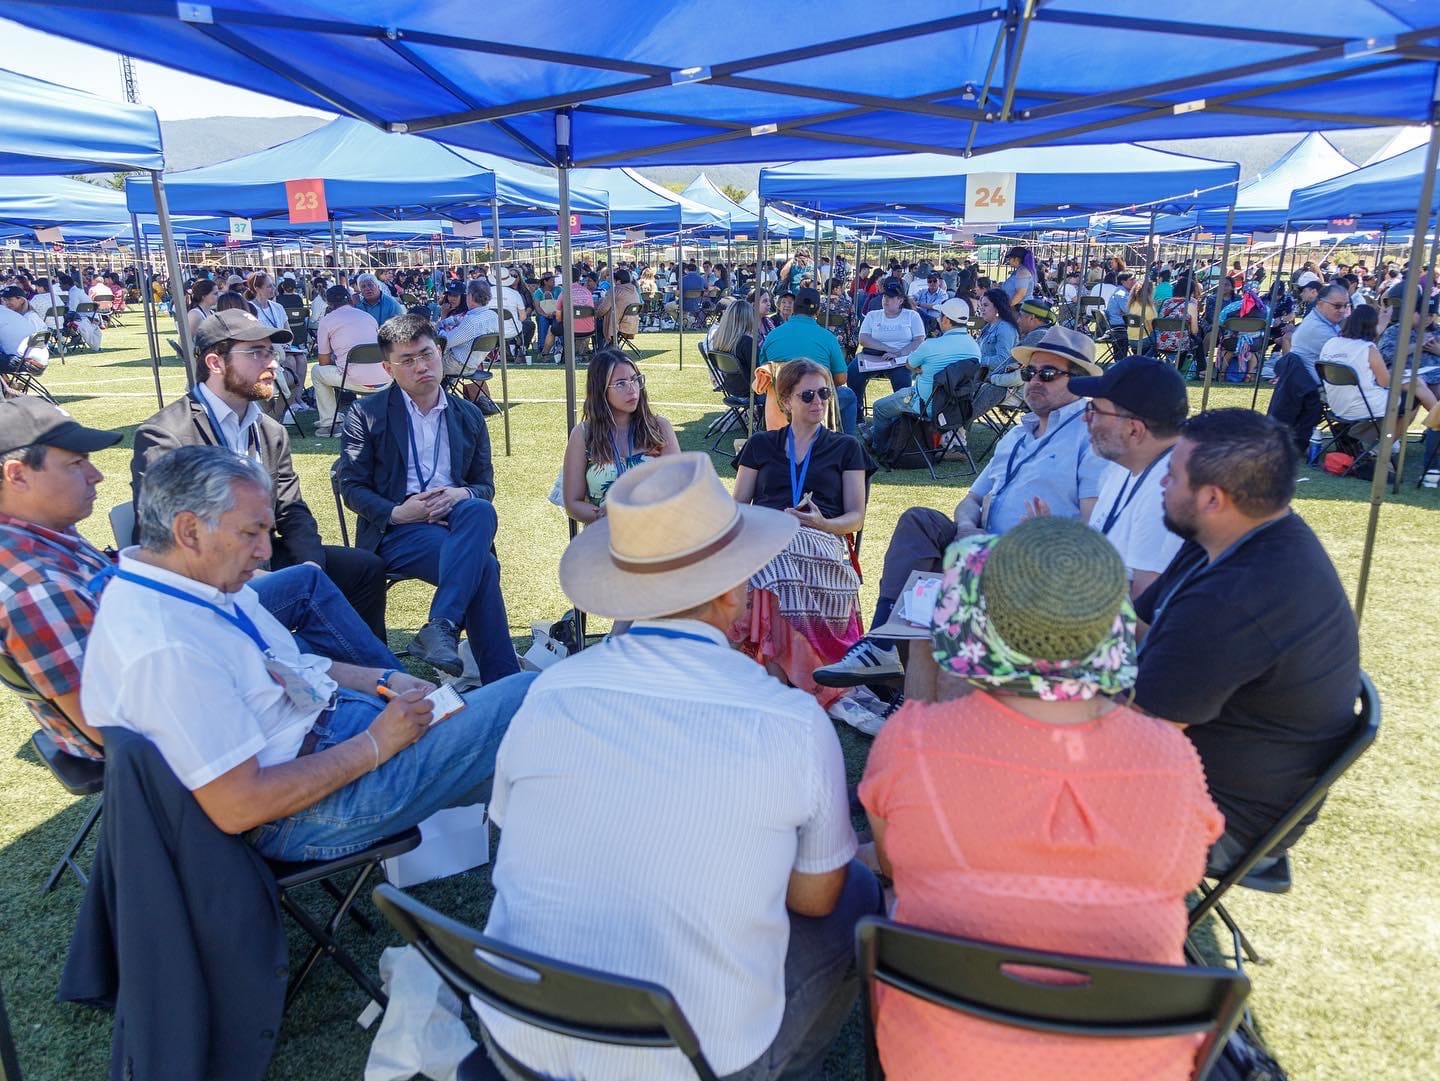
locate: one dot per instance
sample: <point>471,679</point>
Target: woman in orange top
<point>1038,810</point>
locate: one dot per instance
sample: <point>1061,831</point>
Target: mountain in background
<point>193,143</point>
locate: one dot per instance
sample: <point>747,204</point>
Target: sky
<point>173,95</point>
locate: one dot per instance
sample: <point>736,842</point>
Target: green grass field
<point>1354,948</point>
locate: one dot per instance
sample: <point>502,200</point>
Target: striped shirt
<point>655,795</point>
<point>46,611</point>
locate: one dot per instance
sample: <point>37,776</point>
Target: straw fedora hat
<point>1069,345</point>
<point>671,539</point>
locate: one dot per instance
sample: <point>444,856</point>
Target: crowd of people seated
<point>1139,656</point>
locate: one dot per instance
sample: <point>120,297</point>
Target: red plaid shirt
<point>46,609</point>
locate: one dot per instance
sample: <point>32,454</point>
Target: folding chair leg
<point>1241,942</point>
<point>731,421</point>
<point>68,861</point>
<point>925,454</point>
<point>359,918</point>
<point>325,942</point>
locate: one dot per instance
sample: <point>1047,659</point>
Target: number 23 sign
<point>306,200</point>
<point>989,197</point>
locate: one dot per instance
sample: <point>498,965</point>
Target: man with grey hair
<point>477,322</point>
<point>301,754</point>
<point>375,299</point>
<point>1332,306</point>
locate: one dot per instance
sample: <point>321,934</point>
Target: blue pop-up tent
<point>40,202</point>
<point>52,130</point>
<point>636,202</point>
<point>1378,196</point>
<point>703,191</point>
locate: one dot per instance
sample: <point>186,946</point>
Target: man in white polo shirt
<point>671,812</point>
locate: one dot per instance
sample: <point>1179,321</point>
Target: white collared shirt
<point>656,793</point>
<point>234,430</point>
<point>191,682</point>
<point>1136,503</point>
<point>430,437</point>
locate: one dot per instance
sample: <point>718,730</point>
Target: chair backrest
<point>15,681</point>
<point>368,353</point>
<point>632,310</point>
<point>732,376</point>
<point>1134,319</point>
<point>584,312</point>
<point>694,294</point>
<point>1340,375</point>
<point>122,523</point>
<point>1099,998</point>
<point>86,309</point>
<point>564,999</point>
<point>1237,325</point>
<point>1365,732</point>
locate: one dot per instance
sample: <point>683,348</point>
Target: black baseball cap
<point>807,300</point>
<point>26,421</point>
<point>894,287</point>
<point>1150,389</point>
<point>10,292</point>
<point>236,326</point>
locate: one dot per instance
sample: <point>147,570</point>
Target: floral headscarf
<point>966,643</point>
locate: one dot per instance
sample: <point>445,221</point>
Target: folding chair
<point>1276,877</point>
<point>563,999</point>
<point>475,371</point>
<point>88,311</point>
<point>1346,429</point>
<point>583,312</point>
<point>78,776</point>
<point>734,390</point>
<point>627,341</point>
<point>345,394</point>
<point>1238,326</point>
<point>9,1060</point>
<point>1136,321</point>
<point>1168,326</point>
<point>23,377</point>
<point>1111,1000</point>
<point>55,317</point>
<point>289,877</point>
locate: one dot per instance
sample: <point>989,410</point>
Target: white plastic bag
<point>544,650</point>
<point>422,1031</point>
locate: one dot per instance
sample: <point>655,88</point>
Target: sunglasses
<point>808,396</point>
<point>1045,375</point>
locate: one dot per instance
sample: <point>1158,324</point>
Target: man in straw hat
<point>1042,465</point>
<point>688,808</point>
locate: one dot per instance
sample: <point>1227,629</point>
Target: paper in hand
<point>446,702</point>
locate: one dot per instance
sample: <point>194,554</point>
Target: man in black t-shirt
<point>1252,644</point>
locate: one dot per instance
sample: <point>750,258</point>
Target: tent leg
<point>152,336</point>
<point>610,262</point>
<point>500,315</point>
<point>1212,347</point>
<point>562,158</point>
<point>177,283</point>
<point>1407,323</point>
<point>1265,347</point>
<point>1415,371</point>
<point>680,295</point>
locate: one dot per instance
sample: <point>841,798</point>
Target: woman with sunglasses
<point>803,606</point>
<point>616,432</point>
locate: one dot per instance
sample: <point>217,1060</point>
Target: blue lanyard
<point>622,464</point>
<point>237,619</point>
<point>440,433</point>
<point>254,435</point>
<point>1121,502</point>
<point>1011,468</point>
<point>797,481</point>
<point>666,632</point>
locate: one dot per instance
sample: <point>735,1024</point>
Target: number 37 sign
<point>306,200</point>
<point>989,197</point>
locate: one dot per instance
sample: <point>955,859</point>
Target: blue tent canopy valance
<point>52,130</point>
<point>1378,196</point>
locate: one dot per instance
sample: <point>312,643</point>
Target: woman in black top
<point>803,609</point>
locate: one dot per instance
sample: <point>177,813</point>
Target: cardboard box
<point>453,840</point>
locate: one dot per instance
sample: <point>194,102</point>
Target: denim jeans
<point>900,378</point>
<point>849,407</point>
<point>451,765</point>
<point>821,983</point>
<point>457,560</point>
<point>313,609</point>
<point>887,409</point>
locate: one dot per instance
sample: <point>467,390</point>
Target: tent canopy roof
<point>1048,179</point>
<point>51,130</point>
<point>367,172</point>
<point>680,84</point>
<point>1377,196</point>
<point>33,202</point>
<point>634,200</point>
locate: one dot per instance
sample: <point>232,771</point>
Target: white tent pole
<point>495,272</point>
<point>610,262</point>
<point>1212,347</point>
<point>177,284</point>
<point>147,309</point>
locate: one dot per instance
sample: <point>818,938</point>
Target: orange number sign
<point>574,224</point>
<point>306,200</point>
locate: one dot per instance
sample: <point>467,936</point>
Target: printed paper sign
<point>306,200</point>
<point>634,236</point>
<point>469,230</point>
<point>989,197</point>
<point>49,236</point>
<point>240,229</point>
<point>574,224</point>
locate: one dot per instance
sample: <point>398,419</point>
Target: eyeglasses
<point>257,353</point>
<point>808,396</point>
<point>1092,411</point>
<point>1340,304</point>
<point>622,385</point>
<point>1045,375</point>
<point>411,359</point>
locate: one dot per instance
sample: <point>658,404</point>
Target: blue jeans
<point>900,378</point>
<point>457,560</point>
<point>451,765</point>
<point>886,410</point>
<point>314,610</point>
<point>542,328</point>
<point>849,407</point>
<point>821,983</point>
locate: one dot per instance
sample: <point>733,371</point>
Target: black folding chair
<point>564,999</point>
<point>627,341</point>
<point>734,392</point>
<point>584,312</point>
<point>78,776</point>
<point>1362,432</point>
<point>359,866</point>
<point>1110,1000</point>
<point>476,369</point>
<point>1237,326</point>
<point>55,317</point>
<point>345,396</point>
<point>1276,877</point>
<point>21,375</point>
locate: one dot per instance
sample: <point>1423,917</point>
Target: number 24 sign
<point>989,197</point>
<point>306,200</point>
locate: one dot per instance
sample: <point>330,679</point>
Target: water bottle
<point>1317,440</point>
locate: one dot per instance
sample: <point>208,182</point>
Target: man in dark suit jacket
<point>222,411</point>
<point>415,467</point>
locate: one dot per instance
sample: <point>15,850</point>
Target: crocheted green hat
<point>1053,587</point>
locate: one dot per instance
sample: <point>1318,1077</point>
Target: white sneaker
<point>1431,479</point>
<point>865,662</point>
<point>851,712</point>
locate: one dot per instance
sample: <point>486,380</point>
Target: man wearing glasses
<point>1043,465</point>
<point>415,468</point>
<point>237,371</point>
<point>1332,307</point>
